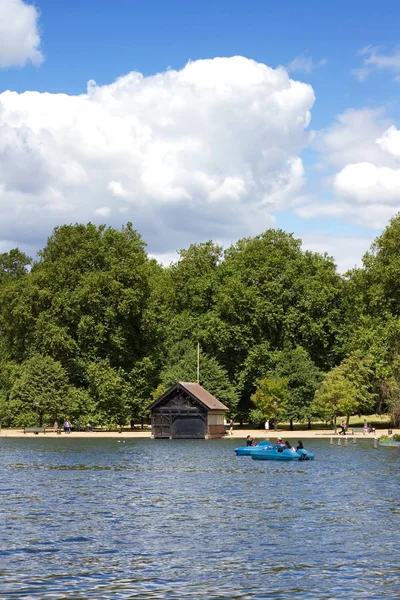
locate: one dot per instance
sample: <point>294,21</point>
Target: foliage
<point>303,379</point>
<point>271,397</point>
<point>40,394</point>
<point>113,327</point>
<point>336,396</point>
<point>182,366</point>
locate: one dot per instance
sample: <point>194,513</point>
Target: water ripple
<point>169,520</point>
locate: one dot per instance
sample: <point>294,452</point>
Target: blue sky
<point>346,51</point>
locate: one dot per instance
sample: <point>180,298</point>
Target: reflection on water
<point>143,519</point>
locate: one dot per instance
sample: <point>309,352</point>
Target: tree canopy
<point>102,328</point>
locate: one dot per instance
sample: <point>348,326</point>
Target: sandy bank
<point>257,434</point>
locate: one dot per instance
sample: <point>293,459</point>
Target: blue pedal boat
<point>247,450</point>
<point>273,453</point>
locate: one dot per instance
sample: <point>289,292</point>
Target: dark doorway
<point>188,427</point>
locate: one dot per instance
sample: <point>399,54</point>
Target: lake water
<point>155,519</point>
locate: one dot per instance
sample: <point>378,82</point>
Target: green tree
<point>40,393</point>
<point>303,379</point>
<point>336,396</point>
<point>182,366</point>
<point>13,265</point>
<point>270,398</point>
<point>110,392</point>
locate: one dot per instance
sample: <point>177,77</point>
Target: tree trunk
<point>309,424</point>
<point>291,424</point>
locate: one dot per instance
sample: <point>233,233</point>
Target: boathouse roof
<point>197,392</point>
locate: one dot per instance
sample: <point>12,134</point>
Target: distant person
<point>55,426</point>
<point>77,426</point>
<point>299,445</point>
<point>279,441</point>
<point>365,427</point>
<point>249,441</point>
<point>225,424</point>
<point>88,427</point>
<point>132,424</point>
<point>231,426</point>
<point>343,427</point>
<point>267,425</point>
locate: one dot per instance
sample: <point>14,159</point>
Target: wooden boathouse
<point>187,410</point>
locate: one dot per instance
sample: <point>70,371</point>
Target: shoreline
<point>239,434</point>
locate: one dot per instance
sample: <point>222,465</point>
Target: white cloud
<point>19,34</point>
<point>205,152</point>
<point>367,183</point>
<point>103,211</point>
<point>117,189</point>
<point>372,216</point>
<point>390,141</point>
<point>376,60</point>
<point>305,64</point>
<point>352,138</point>
<point>359,158</point>
<point>347,250</point>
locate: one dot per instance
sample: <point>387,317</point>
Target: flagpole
<point>198,362</point>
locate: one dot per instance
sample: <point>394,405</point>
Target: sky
<point>200,120</point>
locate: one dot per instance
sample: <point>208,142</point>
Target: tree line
<point>94,329</point>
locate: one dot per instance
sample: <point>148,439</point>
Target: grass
<point>377,421</point>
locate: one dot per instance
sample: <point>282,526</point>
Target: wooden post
<point>198,362</point>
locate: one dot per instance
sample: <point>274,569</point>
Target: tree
<point>13,265</point>
<point>357,368</point>
<point>270,398</point>
<point>181,365</point>
<point>303,379</point>
<point>110,392</point>
<point>336,396</point>
<point>40,393</point>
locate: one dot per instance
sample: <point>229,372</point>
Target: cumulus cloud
<point>375,59</point>
<point>390,141</point>
<point>19,34</point>
<point>305,64</point>
<point>367,183</point>
<point>205,152</point>
<point>347,250</point>
<point>360,160</point>
<point>352,138</point>
<point>375,182</point>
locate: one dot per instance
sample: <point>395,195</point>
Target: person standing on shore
<point>231,426</point>
<point>267,425</point>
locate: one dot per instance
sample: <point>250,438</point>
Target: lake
<point>178,519</point>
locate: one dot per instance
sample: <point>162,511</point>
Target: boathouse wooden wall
<point>187,410</point>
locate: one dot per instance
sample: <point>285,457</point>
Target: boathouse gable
<point>187,410</point>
